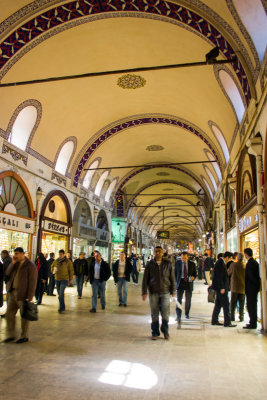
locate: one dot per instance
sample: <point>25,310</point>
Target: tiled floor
<point>109,355</point>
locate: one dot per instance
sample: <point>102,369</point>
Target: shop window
<point>233,93</point>
<point>254,18</point>
<point>208,172</point>
<point>215,165</point>
<point>100,183</point>
<point>64,157</point>
<point>110,189</point>
<point>222,141</point>
<point>89,174</point>
<point>22,127</point>
<point>13,198</point>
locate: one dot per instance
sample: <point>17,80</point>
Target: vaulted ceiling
<point>166,121</point>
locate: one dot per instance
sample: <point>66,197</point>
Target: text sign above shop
<point>102,235</point>
<point>15,223</point>
<point>55,227</point>
<point>248,220</point>
<point>163,235</point>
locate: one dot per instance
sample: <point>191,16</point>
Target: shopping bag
<point>29,311</point>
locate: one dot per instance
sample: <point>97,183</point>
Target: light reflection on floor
<point>132,375</point>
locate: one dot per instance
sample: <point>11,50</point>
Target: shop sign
<point>102,235</point>
<point>163,235</point>
<point>15,223</point>
<point>86,231</point>
<point>118,230</point>
<point>248,220</point>
<point>55,227</point>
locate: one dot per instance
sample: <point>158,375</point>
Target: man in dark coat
<point>185,274</point>
<point>159,280</point>
<point>220,284</point>
<point>80,266</point>
<point>237,272</point>
<point>99,273</point>
<point>1,284</point>
<point>22,278</point>
<point>122,269</point>
<point>252,287</point>
<point>51,276</point>
<point>42,271</point>
<point>6,260</point>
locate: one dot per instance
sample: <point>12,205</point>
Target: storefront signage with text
<point>55,227</point>
<point>16,223</point>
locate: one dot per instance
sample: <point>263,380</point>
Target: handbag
<point>211,295</point>
<point>29,311</point>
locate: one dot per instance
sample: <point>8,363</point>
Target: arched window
<point>110,189</point>
<point>23,127</point>
<point>208,187</point>
<point>64,157</point>
<point>214,165</point>
<point>254,18</point>
<point>222,141</point>
<point>208,172</point>
<point>100,183</point>
<point>233,93</point>
<point>89,174</point>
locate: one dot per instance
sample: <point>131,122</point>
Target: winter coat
<point>64,268</point>
<point>158,278</point>
<point>127,271</point>
<point>237,271</point>
<point>27,279</point>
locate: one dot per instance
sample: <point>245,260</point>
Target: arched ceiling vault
<point>166,120</point>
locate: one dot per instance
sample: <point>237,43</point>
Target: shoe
<point>249,327</point>
<point>10,339</point>
<point>79,297</point>
<point>179,324</point>
<point>230,326</point>
<point>125,305</point>
<point>22,340</point>
<point>93,310</point>
<point>154,337</point>
<point>241,319</point>
<point>205,283</point>
<point>103,307</point>
<point>60,311</point>
<point>216,323</point>
<point>120,305</point>
<point>166,336</point>
<point>187,316</point>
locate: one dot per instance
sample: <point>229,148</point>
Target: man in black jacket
<point>252,287</point>
<point>121,273</point>
<point>185,274</point>
<point>159,280</point>
<point>99,273</point>
<point>51,276</point>
<point>220,284</point>
<point>80,266</point>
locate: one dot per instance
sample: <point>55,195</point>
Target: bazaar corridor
<point>109,355</point>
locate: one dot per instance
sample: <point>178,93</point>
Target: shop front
<point>16,213</point>
<point>232,245</point>
<point>55,224</point>
<point>249,232</point>
<point>118,237</point>
<point>103,240</point>
<point>83,233</point>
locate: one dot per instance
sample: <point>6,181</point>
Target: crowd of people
<point>229,277</point>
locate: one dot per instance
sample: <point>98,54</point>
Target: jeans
<point>159,303</point>
<point>184,287</point>
<point>237,297</point>
<point>79,282</point>
<point>222,301</point>
<point>135,275</point>
<point>61,286</point>
<point>51,285</point>
<point>122,290</point>
<point>39,291</point>
<point>98,286</point>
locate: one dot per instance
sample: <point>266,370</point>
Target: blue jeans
<point>61,286</point>
<point>159,303</point>
<point>79,283</point>
<point>122,290</point>
<point>98,286</point>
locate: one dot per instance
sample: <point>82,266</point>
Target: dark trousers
<point>199,273</point>
<point>51,285</point>
<point>222,301</point>
<point>135,275</point>
<point>184,287</point>
<point>39,291</point>
<point>240,298</point>
<point>252,299</point>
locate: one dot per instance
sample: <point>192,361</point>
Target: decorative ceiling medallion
<point>154,147</point>
<point>163,174</point>
<point>131,81</point>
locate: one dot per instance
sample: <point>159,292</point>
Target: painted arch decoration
<point>155,119</point>
<point>50,21</point>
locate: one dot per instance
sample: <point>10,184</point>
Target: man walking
<point>159,280</point>
<point>21,284</point>
<point>208,268</point>
<point>185,274</point>
<point>80,266</point>
<point>252,287</point>
<point>237,286</point>
<point>62,268</point>
<point>121,273</point>
<point>51,276</point>
<point>99,273</point>
<point>220,284</point>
